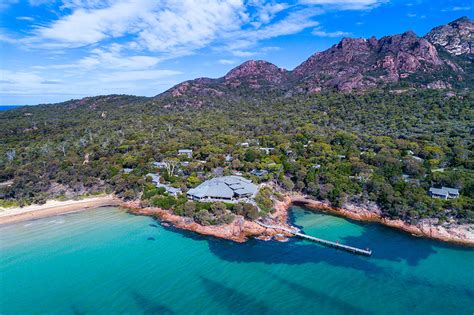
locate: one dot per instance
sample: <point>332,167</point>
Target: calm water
<point>7,107</point>
<point>105,261</point>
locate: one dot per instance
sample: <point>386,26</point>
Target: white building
<point>187,152</point>
<point>160,164</point>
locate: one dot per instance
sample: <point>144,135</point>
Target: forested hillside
<point>383,147</point>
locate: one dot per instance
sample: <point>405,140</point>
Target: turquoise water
<point>106,261</point>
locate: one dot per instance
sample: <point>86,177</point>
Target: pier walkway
<point>355,250</point>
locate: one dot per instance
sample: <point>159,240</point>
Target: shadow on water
<point>386,243</point>
<point>392,245</point>
<point>149,306</point>
<point>335,304</point>
<point>235,301</point>
<point>75,310</point>
<point>295,252</point>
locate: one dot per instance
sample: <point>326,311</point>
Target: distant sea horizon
<point>7,107</point>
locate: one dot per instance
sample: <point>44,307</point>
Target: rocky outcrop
<point>364,63</point>
<point>240,230</point>
<point>456,37</point>
<point>255,73</point>
<point>449,232</point>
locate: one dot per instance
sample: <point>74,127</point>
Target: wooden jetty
<point>355,250</point>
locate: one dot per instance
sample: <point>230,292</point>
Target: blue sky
<point>52,51</point>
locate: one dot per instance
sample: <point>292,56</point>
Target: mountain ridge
<point>351,65</point>
<point>441,59</point>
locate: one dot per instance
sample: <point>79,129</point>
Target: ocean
<point>7,107</point>
<point>105,261</point>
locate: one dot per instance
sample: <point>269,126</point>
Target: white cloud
<point>118,46</point>
<point>457,8</point>
<point>7,38</point>
<point>156,26</point>
<point>294,22</point>
<point>346,4</point>
<point>321,33</point>
<point>21,85</point>
<point>6,3</point>
<point>137,75</point>
<point>266,12</point>
<point>243,53</point>
<point>10,77</point>
<point>227,61</point>
<point>179,27</point>
<point>25,18</point>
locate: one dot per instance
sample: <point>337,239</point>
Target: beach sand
<point>53,207</point>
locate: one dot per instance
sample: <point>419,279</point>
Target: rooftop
<point>225,187</point>
<point>444,191</point>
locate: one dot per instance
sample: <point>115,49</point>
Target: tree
<point>189,208</point>
<point>250,211</point>
<point>171,164</point>
<point>218,208</point>
<point>287,184</point>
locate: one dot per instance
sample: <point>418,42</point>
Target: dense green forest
<point>375,147</point>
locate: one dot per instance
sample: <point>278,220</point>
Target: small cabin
<point>160,164</point>
<point>258,173</point>
<point>187,152</point>
<point>444,192</point>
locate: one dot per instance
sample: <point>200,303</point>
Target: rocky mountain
<point>440,59</point>
<point>256,74</point>
<point>456,37</point>
<point>252,74</point>
<point>364,63</point>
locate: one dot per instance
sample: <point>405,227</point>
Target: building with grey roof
<point>444,192</point>
<point>258,172</point>
<point>155,178</point>
<point>160,164</point>
<point>187,152</point>
<point>226,188</point>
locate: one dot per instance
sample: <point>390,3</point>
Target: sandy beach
<point>53,207</point>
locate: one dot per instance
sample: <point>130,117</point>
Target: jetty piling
<point>351,249</point>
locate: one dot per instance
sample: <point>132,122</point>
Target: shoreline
<point>54,208</point>
<point>240,230</point>
<point>460,234</point>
